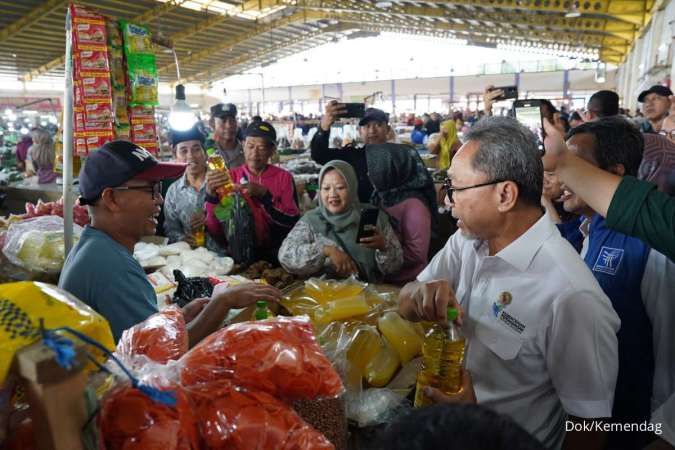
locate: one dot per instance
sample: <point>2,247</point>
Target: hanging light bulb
<point>181,117</point>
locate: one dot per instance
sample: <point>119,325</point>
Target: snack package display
<point>143,132</point>
<point>136,38</point>
<point>24,304</point>
<point>230,417</point>
<point>114,34</point>
<point>161,337</point>
<point>143,79</point>
<point>117,67</point>
<point>130,420</point>
<point>94,60</point>
<point>99,113</point>
<point>279,356</point>
<point>96,88</point>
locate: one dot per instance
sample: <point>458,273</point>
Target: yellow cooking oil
<point>381,369</point>
<point>442,357</point>
<point>401,334</point>
<point>364,346</point>
<point>217,163</point>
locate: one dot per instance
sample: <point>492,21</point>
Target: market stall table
<point>28,190</point>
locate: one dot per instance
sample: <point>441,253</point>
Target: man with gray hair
<point>541,333</point>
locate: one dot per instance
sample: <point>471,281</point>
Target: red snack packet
<point>161,337</point>
<point>91,61</point>
<point>232,418</point>
<point>96,87</point>
<point>130,420</point>
<point>143,132</point>
<point>279,356</point>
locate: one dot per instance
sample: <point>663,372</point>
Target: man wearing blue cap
<point>226,135</point>
<point>373,128</point>
<point>121,186</point>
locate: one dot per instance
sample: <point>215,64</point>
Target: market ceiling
<point>214,38</point>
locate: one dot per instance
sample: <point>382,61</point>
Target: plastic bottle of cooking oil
<point>442,356</point>
<point>217,163</point>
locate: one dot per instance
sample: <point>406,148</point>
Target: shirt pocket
<point>495,336</point>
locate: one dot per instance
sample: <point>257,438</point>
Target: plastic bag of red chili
<point>161,337</point>
<point>234,418</point>
<point>130,420</point>
<point>279,356</point>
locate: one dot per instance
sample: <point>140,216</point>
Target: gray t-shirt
<point>104,274</point>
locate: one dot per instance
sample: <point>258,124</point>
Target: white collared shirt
<point>552,349</point>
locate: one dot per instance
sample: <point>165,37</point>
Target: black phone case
<point>368,218</point>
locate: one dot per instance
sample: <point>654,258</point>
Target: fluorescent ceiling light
<point>225,9</point>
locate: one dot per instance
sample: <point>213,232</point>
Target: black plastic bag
<point>240,232</point>
<point>190,288</point>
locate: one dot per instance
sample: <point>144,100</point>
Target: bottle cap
<point>452,314</point>
<point>261,304</point>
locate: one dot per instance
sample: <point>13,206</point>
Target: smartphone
<point>367,223</point>
<point>509,92</point>
<point>356,110</point>
<point>528,112</point>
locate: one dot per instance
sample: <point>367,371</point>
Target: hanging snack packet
<point>117,67</point>
<point>136,38</point>
<point>114,34</point>
<point>96,88</point>
<point>143,80</point>
<point>92,61</point>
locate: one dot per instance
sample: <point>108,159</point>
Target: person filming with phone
<point>342,237</point>
<point>373,129</point>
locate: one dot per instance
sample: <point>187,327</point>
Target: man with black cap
<point>655,105</point>
<point>184,203</point>
<point>270,189</point>
<point>225,140</point>
<point>373,129</point>
<point>121,186</point>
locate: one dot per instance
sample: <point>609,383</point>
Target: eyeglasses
<point>155,189</point>
<point>668,134</point>
<point>447,186</point>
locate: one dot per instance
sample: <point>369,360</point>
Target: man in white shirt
<point>541,333</point>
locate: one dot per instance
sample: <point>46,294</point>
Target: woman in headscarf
<point>324,240</point>
<point>448,144</point>
<point>41,156</point>
<point>405,190</point>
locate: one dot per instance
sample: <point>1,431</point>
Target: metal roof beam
<point>31,18</point>
<point>258,30</point>
<point>145,17</point>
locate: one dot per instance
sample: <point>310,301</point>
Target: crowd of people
<point>562,265</point>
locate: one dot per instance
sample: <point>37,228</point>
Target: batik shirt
<point>180,204</point>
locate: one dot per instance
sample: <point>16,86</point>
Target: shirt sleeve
<point>639,210</point>
<point>664,419</point>
<point>302,250</point>
<point>212,224</point>
<point>582,353</point>
<point>173,228</point>
<point>389,260</point>
<point>447,263</point>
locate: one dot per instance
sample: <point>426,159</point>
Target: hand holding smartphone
<point>367,223</point>
<point>507,92</point>
<point>353,110</point>
<point>528,113</point>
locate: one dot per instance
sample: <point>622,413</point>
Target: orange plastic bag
<point>161,337</point>
<point>130,420</point>
<point>237,419</point>
<point>278,356</point>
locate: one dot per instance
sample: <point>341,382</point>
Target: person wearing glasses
<point>542,344</point>
<point>121,186</point>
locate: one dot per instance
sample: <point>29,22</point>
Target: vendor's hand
<point>255,190</point>
<point>465,395</point>
<point>429,301</point>
<point>344,265</point>
<point>197,221</point>
<point>333,111</point>
<point>192,309</point>
<point>555,146</point>
<point>243,295</point>
<point>376,241</point>
<point>489,96</point>
<point>214,180</point>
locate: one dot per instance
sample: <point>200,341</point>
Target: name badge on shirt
<point>608,260</point>
<point>505,299</point>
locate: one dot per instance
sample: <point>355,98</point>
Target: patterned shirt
<point>302,252</point>
<point>180,204</point>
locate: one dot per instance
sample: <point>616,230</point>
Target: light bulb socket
<point>180,92</point>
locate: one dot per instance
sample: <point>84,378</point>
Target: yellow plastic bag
<point>23,304</point>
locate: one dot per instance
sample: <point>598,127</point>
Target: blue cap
<point>374,114</point>
<point>222,110</point>
<point>115,163</point>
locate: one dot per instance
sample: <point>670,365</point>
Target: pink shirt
<point>414,231</point>
<point>278,182</point>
